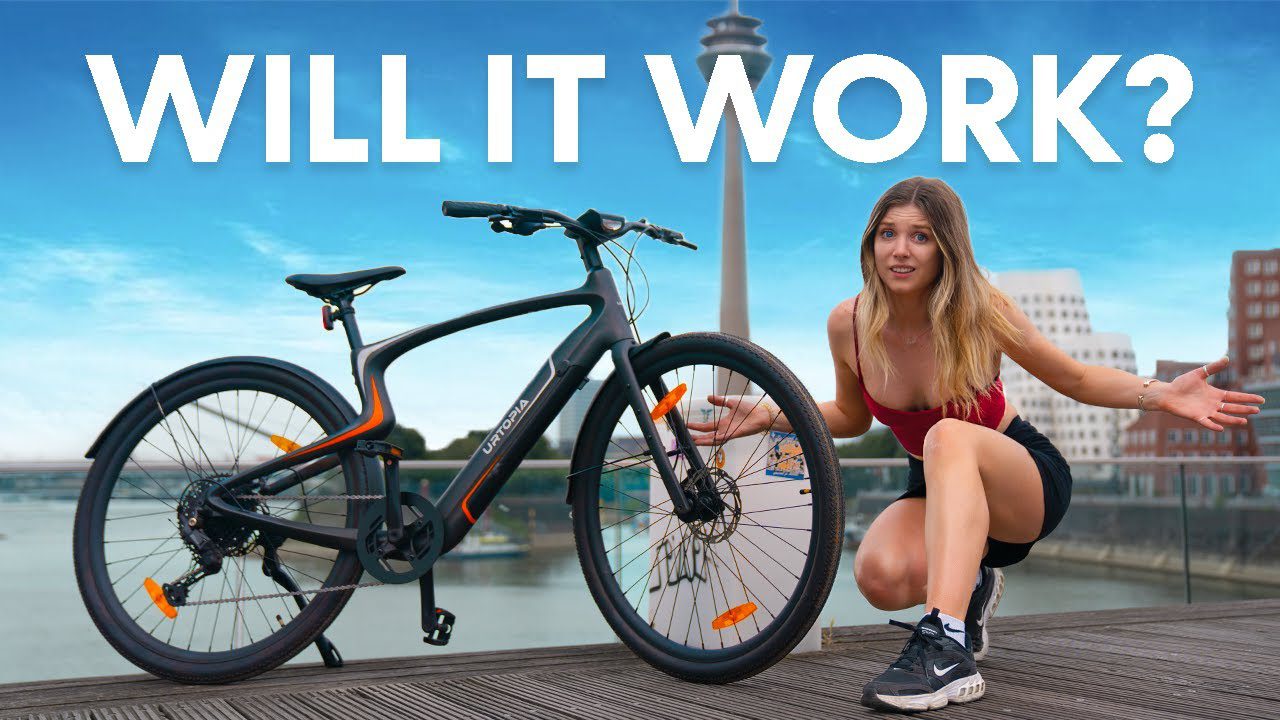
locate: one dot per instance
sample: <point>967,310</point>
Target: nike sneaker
<point>932,670</point>
<point>982,605</point>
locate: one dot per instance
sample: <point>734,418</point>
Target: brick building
<point>1253,317</point>
<point>1158,434</point>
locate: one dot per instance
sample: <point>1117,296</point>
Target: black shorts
<point>1055,477</point>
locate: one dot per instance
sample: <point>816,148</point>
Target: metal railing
<point>1093,484</point>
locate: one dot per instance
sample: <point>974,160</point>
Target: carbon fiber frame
<point>606,329</point>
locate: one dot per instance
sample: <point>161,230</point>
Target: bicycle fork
<point>685,506</point>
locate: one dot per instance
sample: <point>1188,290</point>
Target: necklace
<point>914,338</point>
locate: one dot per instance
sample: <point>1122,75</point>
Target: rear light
<point>326,317</point>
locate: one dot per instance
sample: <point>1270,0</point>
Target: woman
<point>919,350</point>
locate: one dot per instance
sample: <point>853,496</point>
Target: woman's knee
<point>887,580</point>
<point>945,436</point>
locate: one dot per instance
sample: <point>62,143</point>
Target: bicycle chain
<point>355,586</point>
<point>309,497</point>
<point>317,591</point>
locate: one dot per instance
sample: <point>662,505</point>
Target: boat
<point>488,544</point>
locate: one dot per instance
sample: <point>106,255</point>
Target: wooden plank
<point>1131,664</point>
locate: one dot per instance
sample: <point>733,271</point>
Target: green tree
<point>877,443</point>
<point>409,440</point>
<point>462,448</point>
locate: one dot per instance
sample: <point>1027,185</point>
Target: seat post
<point>347,314</point>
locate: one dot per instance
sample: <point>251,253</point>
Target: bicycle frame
<point>606,329</point>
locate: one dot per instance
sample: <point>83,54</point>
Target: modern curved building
<point>1054,301</point>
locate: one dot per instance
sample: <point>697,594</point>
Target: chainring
<point>416,554</point>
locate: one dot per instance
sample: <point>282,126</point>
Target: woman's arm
<point>1189,395</point>
<point>847,415</point>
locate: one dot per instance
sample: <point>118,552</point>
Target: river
<point>539,600</point>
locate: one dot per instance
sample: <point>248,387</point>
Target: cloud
<point>272,247</point>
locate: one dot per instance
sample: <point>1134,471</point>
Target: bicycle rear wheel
<point>184,437</point>
<point>719,599</point>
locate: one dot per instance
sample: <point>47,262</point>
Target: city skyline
<point>123,274</point>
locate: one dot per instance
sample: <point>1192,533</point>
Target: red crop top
<point>910,426</point>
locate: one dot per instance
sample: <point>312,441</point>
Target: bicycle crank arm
<point>680,502</point>
<point>330,537</point>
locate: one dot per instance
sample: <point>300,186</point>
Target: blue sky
<point>120,274</point>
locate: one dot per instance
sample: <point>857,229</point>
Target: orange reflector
<point>733,616</point>
<point>284,443</point>
<point>664,406</point>
<point>157,596</point>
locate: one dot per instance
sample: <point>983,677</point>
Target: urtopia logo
<point>513,417</point>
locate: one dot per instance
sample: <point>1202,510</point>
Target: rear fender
<point>348,412</point>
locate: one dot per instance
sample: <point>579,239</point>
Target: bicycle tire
<point>104,605</point>
<point>788,627</point>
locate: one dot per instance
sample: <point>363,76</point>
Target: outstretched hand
<point>1191,396</point>
<point>742,415</point>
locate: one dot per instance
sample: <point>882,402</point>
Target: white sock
<point>954,627</point>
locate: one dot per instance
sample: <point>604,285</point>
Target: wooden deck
<point>1219,660</point>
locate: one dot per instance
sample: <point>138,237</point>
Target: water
<point>540,600</point>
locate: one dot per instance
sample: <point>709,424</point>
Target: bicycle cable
<point>629,294</point>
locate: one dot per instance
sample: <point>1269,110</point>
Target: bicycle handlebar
<point>462,209</point>
<point>526,221</point>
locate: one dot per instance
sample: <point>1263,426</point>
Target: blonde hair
<point>964,307</point>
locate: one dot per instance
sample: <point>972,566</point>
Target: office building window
<point>1269,266</point>
<point>1251,267</point>
<point>1273,309</point>
<point>1252,288</point>
<point>1273,287</point>
<point>1253,310</point>
<point>1255,331</point>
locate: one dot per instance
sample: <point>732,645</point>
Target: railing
<point>1245,489</point>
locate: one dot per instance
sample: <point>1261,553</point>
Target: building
<point>1158,434</point>
<point>572,415</point>
<point>1265,429</point>
<point>1054,302</point>
<point>1253,317</point>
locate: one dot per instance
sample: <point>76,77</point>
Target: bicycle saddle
<point>327,287</point>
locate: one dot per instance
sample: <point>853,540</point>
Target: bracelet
<point>1143,396</point>
<point>773,411</point>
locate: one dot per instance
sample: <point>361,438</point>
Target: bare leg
<point>981,484</point>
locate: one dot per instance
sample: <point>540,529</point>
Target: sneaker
<point>982,605</point>
<point>932,671</point>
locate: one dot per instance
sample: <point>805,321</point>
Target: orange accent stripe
<point>375,418</point>
<point>467,511</point>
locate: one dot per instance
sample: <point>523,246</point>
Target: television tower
<point>734,34</point>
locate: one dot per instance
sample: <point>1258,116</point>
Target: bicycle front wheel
<point>721,598</point>
<point>185,437</point>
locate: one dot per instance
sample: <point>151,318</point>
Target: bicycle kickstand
<point>271,568</point>
<point>437,623</point>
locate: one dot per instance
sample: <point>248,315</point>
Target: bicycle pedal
<point>442,628</point>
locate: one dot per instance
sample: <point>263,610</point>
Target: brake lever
<point>515,226</point>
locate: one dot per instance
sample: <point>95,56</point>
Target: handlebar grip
<point>461,209</point>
